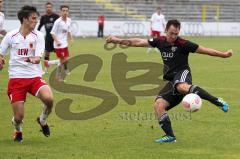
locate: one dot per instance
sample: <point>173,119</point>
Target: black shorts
<point>169,92</point>
<point>49,44</point>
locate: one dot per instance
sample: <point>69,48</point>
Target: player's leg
<point>41,90</point>
<point>164,102</point>
<point>59,69</point>
<point>17,120</point>
<point>47,53</point>
<point>157,35</point>
<point>152,35</point>
<point>183,86</point>
<point>45,94</point>
<point>65,65</point>
<point>17,90</point>
<point>46,59</point>
<point>102,31</point>
<point>60,55</point>
<point>65,61</point>
<point>99,31</point>
<point>49,48</point>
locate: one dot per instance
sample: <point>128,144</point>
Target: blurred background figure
<point>47,20</point>
<point>100,20</point>
<point>157,25</point>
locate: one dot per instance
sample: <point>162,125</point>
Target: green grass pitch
<point>129,131</point>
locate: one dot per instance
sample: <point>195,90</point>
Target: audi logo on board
<point>133,28</point>
<point>193,29</point>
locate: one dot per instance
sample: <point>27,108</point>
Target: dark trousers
<point>100,30</point>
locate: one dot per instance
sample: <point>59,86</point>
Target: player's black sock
<point>165,123</point>
<point>46,58</point>
<point>204,95</point>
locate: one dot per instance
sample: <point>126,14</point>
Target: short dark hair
<point>64,6</point>
<point>48,3</point>
<point>173,22</point>
<point>158,8</point>
<point>26,11</point>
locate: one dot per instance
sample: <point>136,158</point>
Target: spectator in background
<point>100,20</point>
<point>61,33</point>
<point>2,17</point>
<point>157,25</point>
<point>47,20</point>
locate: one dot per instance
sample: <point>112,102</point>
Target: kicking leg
<point>185,88</point>
<point>46,96</point>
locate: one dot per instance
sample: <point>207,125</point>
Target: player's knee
<point>183,88</point>
<point>62,61</point>
<point>159,105</point>
<point>49,101</point>
<point>18,118</point>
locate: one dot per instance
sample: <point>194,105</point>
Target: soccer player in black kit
<point>48,20</point>
<point>174,51</point>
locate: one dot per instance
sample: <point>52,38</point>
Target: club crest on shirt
<point>174,48</point>
<point>30,45</point>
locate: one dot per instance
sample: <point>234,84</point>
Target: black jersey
<point>175,57</point>
<point>48,21</point>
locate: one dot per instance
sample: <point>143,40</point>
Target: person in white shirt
<point>61,31</point>
<point>25,71</point>
<point>2,18</point>
<point>157,24</point>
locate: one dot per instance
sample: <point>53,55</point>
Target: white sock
<point>53,62</point>
<point>149,50</point>
<point>44,115</point>
<point>17,126</point>
<point>59,70</point>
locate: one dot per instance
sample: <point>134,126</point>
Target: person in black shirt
<point>47,21</point>
<point>174,51</point>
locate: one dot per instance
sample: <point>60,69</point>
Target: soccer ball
<point>192,102</point>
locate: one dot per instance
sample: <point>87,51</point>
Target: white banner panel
<point>142,28</point>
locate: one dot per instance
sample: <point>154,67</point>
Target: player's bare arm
<point>213,52</point>
<point>56,39</point>
<point>135,42</point>
<point>2,61</point>
<point>70,37</point>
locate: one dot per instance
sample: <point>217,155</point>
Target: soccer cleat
<point>45,129</point>
<point>225,106</point>
<point>166,138</point>
<point>17,136</point>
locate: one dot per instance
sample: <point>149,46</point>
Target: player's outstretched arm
<point>2,61</point>
<point>213,52</point>
<point>135,42</point>
<point>70,36</point>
